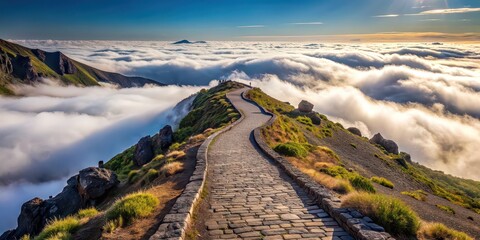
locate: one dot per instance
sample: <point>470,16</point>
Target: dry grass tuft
<point>197,138</point>
<point>172,168</point>
<point>439,231</point>
<point>176,154</point>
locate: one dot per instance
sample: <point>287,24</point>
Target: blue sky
<point>232,20</point>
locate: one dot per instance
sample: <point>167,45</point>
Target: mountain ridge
<point>22,65</point>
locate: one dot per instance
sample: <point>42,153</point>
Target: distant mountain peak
<point>184,41</point>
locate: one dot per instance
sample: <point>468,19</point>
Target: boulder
<point>32,218</point>
<point>305,106</point>
<point>90,184</point>
<point>164,138</point>
<point>389,145</point>
<point>94,182</point>
<point>315,118</point>
<point>143,151</point>
<point>355,131</point>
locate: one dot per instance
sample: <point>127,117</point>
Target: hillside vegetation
<point>347,163</point>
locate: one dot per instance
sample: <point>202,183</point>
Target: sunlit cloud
<point>446,11</point>
<point>387,16</point>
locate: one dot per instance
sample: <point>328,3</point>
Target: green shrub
<point>418,194</point>
<point>361,183</point>
<point>446,208</point>
<point>382,181</point>
<point>305,120</point>
<point>133,176</point>
<point>394,215</point>
<point>439,231</point>
<point>87,213</point>
<point>131,207</point>
<point>151,175</point>
<point>291,149</point>
<point>59,229</point>
<point>356,180</point>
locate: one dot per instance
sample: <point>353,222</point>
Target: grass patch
<point>394,215</point>
<point>446,208</point>
<point>133,206</point>
<point>305,120</point>
<point>291,149</point>
<point>122,163</point>
<point>87,213</point>
<point>359,182</point>
<point>418,194</point>
<point>151,175</point>
<point>439,231</point>
<point>338,185</point>
<point>382,181</point>
<point>60,229</point>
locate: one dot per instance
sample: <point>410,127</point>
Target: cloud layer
<point>423,96</point>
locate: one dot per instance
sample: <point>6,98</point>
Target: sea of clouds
<point>423,96</point>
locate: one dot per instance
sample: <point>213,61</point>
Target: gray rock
<point>32,218</point>
<point>355,131</point>
<point>389,145</point>
<point>315,118</point>
<point>305,106</point>
<point>94,182</point>
<point>164,138</point>
<point>143,151</point>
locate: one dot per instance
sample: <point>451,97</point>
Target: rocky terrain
<point>22,65</point>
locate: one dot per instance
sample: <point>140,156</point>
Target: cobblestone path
<point>251,198</point>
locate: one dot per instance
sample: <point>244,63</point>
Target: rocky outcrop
<point>60,63</point>
<point>81,191</point>
<point>143,151</point>
<point>164,138</point>
<point>5,63</point>
<point>95,182</point>
<point>148,146</point>
<point>389,145</point>
<point>355,131</point>
<point>305,106</point>
<point>23,68</point>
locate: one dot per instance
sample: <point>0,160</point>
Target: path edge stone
<point>176,222</point>
<point>358,225</point>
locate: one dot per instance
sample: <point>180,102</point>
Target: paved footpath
<point>251,198</point>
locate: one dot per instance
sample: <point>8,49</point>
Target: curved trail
<point>250,197</point>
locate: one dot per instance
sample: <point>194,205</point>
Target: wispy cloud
<point>430,20</point>
<point>307,23</point>
<point>386,16</point>
<point>446,11</point>
<point>251,26</point>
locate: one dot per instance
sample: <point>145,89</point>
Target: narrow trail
<point>250,197</point>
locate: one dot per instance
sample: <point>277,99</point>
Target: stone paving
<point>251,198</point>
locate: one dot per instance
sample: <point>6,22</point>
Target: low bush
<point>59,229</point>
<point>446,208</point>
<point>356,180</point>
<point>176,154</point>
<point>291,149</point>
<point>133,176</point>
<point>87,213</point>
<point>382,181</point>
<point>305,120</point>
<point>418,194</point>
<point>151,175</point>
<point>394,215</point>
<point>439,231</point>
<point>133,206</point>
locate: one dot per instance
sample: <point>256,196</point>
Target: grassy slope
<point>357,154</point>
<point>82,77</point>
